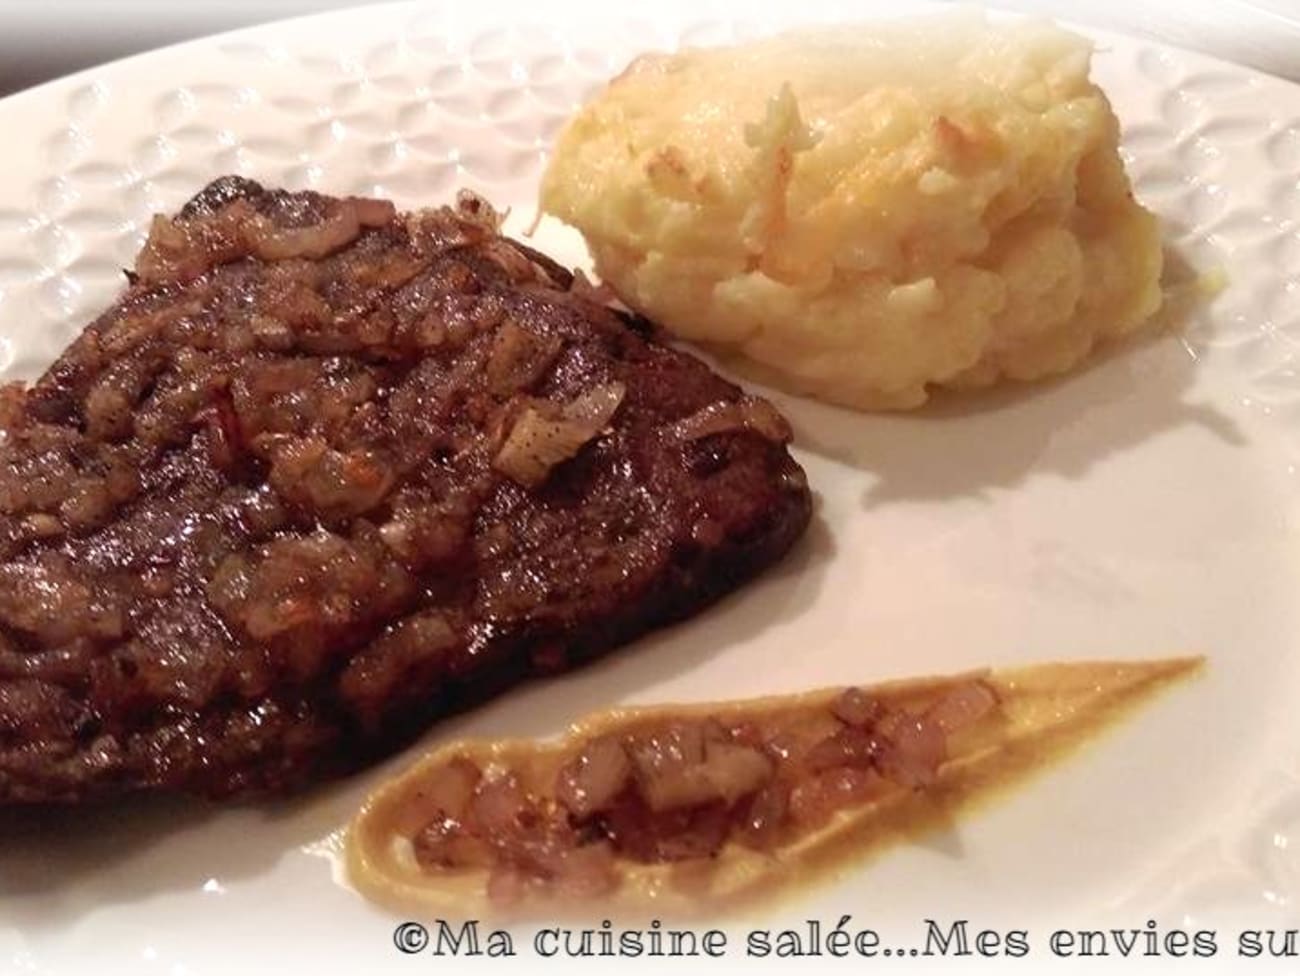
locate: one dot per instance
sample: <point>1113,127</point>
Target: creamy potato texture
<point>862,213</point>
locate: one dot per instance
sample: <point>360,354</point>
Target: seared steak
<point>326,471</point>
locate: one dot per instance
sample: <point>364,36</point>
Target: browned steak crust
<point>320,475</point>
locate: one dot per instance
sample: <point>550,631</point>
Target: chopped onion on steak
<point>184,249</point>
<point>541,438</point>
<point>271,243</point>
<point>747,413</point>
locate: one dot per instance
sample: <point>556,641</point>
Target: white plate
<point>1142,507</point>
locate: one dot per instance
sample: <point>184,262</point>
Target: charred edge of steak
<point>326,472</point>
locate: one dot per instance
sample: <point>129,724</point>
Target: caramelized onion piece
<point>309,472</point>
<point>596,407</point>
<point>747,413</point>
<point>444,842</point>
<point>533,840</point>
<point>691,834</point>
<point>681,768</point>
<point>451,790</point>
<point>765,815</point>
<point>746,733</point>
<point>735,770</point>
<point>668,765</point>
<point>849,747</point>
<point>912,748</point>
<point>642,834</point>
<point>341,227</point>
<point>586,871</point>
<point>963,706</point>
<point>590,781</point>
<point>476,210</point>
<point>514,262</point>
<point>335,232</point>
<point>536,444</point>
<point>183,251</point>
<point>539,441</point>
<point>812,801</point>
<point>784,747</point>
<point>575,871</point>
<point>518,359</point>
<point>855,707</point>
<point>499,807</point>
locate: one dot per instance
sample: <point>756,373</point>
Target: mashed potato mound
<point>863,212</point>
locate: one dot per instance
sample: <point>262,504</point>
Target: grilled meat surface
<point>326,471</point>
